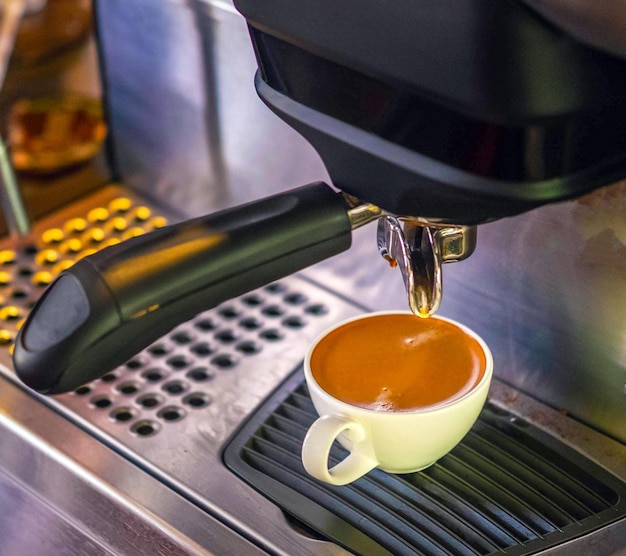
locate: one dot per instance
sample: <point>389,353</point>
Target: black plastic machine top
<point>462,111</point>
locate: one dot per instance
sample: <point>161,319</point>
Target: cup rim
<point>486,378</point>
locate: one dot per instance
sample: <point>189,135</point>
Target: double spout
<point>418,247</point>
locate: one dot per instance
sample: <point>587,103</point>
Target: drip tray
<point>506,488</point>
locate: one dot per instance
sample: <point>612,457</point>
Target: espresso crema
<point>398,362</point>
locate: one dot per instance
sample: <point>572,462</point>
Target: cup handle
<point>317,444</point>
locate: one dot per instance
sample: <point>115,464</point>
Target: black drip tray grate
<point>507,488</point>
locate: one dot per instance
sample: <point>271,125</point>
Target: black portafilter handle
<point>109,306</point>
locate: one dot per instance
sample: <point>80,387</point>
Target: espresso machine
<point>154,386</point>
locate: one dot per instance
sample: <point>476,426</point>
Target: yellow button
<point>94,235</point>
<point>7,256</point>
<point>117,224</point>
<point>42,278</point>
<point>158,222</point>
<point>73,245</point>
<point>142,214</point>
<point>75,225</point>
<point>9,313</point>
<point>53,235</point>
<point>121,204</point>
<point>47,256</point>
<point>99,214</point>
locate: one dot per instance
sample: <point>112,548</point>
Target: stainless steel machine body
<point>545,289</point>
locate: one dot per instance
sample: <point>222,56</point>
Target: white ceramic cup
<point>394,441</point>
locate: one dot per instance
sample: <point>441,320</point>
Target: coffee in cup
<point>397,391</point>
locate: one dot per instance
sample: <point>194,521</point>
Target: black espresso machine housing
<point>463,112</point>
<point>173,434</point>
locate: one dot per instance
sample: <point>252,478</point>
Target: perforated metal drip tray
<point>507,488</point>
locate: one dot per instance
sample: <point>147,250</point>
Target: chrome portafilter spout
<point>419,248</point>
